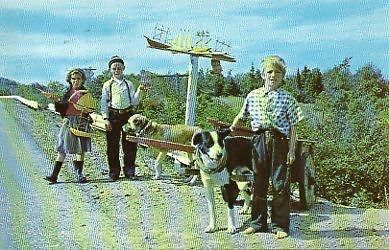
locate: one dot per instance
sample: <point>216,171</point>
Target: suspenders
<point>110,92</point>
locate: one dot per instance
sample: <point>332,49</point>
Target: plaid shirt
<point>276,109</point>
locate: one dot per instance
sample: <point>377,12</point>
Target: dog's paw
<point>187,179</point>
<point>193,180</point>
<point>210,229</point>
<point>192,183</point>
<point>231,230</point>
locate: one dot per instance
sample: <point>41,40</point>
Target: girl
<point>75,120</point>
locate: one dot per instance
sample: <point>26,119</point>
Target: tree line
<point>346,113</point>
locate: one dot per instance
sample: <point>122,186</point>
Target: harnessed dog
<point>143,127</point>
<point>226,162</point>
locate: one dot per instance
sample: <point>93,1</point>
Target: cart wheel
<point>307,182</point>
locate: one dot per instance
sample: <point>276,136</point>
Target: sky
<point>41,40</point>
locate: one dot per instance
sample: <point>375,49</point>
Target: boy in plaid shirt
<point>274,113</point>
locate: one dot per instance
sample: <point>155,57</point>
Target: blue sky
<point>40,40</point>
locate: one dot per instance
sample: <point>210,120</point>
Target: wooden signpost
<point>183,44</point>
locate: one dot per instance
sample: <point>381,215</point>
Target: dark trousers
<point>129,148</point>
<point>269,159</point>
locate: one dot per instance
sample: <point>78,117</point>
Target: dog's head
<point>210,150</point>
<point>135,124</point>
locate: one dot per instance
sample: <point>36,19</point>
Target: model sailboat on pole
<point>183,43</point>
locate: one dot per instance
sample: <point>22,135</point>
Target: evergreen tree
<point>231,87</point>
<point>258,75</point>
<point>219,85</point>
<point>298,79</point>
<point>249,82</point>
<point>309,84</point>
<point>252,74</point>
<point>369,80</point>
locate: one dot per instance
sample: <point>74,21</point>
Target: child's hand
<point>108,125</point>
<point>51,96</point>
<point>144,80</point>
<point>290,158</point>
<point>143,87</point>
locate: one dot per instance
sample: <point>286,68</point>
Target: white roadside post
<point>190,112</point>
<point>182,44</point>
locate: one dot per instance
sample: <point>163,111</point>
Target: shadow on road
<point>165,179</point>
<point>333,221</point>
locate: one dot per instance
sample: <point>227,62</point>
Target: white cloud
<point>351,28</point>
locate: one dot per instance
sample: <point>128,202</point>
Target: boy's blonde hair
<point>273,61</point>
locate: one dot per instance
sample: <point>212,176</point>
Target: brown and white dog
<point>143,127</point>
<point>226,162</point>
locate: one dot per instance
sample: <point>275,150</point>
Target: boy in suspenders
<point>118,101</point>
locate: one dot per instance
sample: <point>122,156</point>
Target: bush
<point>351,134</point>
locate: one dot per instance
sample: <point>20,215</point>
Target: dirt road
<point>141,214</point>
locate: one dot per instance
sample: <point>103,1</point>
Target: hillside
<point>7,86</point>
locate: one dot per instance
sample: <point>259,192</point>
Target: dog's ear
<point>197,138</point>
<point>138,120</point>
<point>132,118</point>
<point>145,120</point>
<point>224,132</point>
